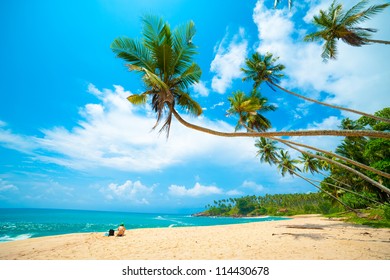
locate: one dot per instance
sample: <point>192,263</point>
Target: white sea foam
<point>159,218</point>
<point>7,238</point>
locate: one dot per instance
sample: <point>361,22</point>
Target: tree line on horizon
<point>360,165</point>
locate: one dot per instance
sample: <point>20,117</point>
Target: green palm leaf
<point>334,24</point>
<point>165,61</point>
<point>137,99</point>
<point>133,52</point>
<point>187,103</point>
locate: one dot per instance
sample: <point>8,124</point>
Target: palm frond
<point>329,50</point>
<point>354,19</point>
<point>187,103</point>
<point>354,10</point>
<point>183,48</point>
<point>189,77</point>
<point>152,27</point>
<point>133,52</point>
<point>155,80</point>
<point>138,99</point>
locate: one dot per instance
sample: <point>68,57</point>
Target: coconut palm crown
<point>249,110</point>
<point>164,58</point>
<point>335,24</point>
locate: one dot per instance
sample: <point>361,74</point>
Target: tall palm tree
<point>164,57</point>
<point>335,24</point>
<point>263,68</point>
<point>249,110</point>
<point>287,164</point>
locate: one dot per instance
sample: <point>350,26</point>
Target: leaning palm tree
<point>249,110</point>
<point>164,57</point>
<point>264,68</point>
<point>287,164</point>
<point>335,24</point>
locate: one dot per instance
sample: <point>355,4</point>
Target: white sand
<point>302,238</point>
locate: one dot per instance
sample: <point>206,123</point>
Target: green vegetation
<point>274,205</point>
<point>378,217</point>
<point>356,174</point>
<point>298,204</point>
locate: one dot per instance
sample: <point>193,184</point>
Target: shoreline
<point>307,237</point>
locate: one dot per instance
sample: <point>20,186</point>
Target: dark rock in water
<point>200,214</point>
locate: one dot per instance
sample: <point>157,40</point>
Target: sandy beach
<point>302,238</point>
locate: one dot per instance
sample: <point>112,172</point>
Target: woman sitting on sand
<point>121,230</point>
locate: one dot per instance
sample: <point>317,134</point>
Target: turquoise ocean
<point>18,224</point>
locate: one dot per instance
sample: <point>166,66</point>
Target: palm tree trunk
<point>378,41</point>
<point>328,193</point>
<point>329,105</point>
<point>369,168</point>
<point>361,175</point>
<point>361,133</point>
<point>361,165</point>
<point>347,190</point>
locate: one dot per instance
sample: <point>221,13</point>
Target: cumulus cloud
<point>234,192</point>
<point>253,186</point>
<point>197,191</point>
<point>343,82</point>
<point>228,61</point>
<point>131,191</point>
<point>114,134</point>
<point>322,142</point>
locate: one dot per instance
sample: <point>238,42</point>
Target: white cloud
<point>228,61</point>
<point>131,191</point>
<point>217,105</point>
<point>114,134</point>
<point>201,88</point>
<point>13,141</point>
<point>321,142</point>
<point>234,192</point>
<point>253,186</point>
<point>357,79</point>
<point>6,187</point>
<point>197,191</point>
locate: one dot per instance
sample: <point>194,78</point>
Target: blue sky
<point>69,138</point>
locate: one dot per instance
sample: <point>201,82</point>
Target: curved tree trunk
<point>347,190</point>
<point>362,133</point>
<point>329,105</point>
<point>369,168</point>
<point>361,175</point>
<point>328,193</point>
<point>290,133</point>
<point>361,165</point>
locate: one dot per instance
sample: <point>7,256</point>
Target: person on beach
<point>121,230</point>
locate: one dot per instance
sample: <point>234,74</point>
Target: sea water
<point>18,224</point>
